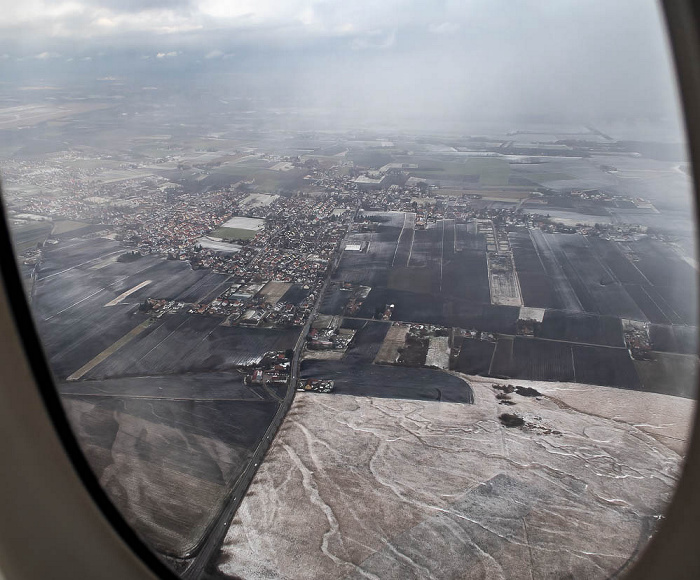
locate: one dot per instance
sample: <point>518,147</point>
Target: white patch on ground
<point>361,487</point>
<point>217,244</point>
<point>529,313</point>
<point>244,223</point>
<point>438,352</point>
<point>258,200</point>
<point>282,166</point>
<point>274,290</point>
<point>128,293</point>
<point>394,340</point>
<point>323,354</point>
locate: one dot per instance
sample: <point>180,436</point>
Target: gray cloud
<point>463,57</point>
<point>140,5</point>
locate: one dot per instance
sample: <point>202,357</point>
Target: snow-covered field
<point>258,200</point>
<point>384,488</point>
<point>244,223</point>
<point>438,352</point>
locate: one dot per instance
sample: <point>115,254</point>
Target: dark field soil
<point>414,353</point>
<point>475,357</point>
<point>366,343</point>
<point>671,374</point>
<point>535,285</point>
<point>165,432</point>
<point>167,465</point>
<point>389,381</point>
<point>578,327</point>
<point>605,366</point>
<point>527,358</point>
<point>186,343</point>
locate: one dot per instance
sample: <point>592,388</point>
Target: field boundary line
<point>398,241</point>
<point>413,239</point>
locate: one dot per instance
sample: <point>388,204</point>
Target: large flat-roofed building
<point>366,182</point>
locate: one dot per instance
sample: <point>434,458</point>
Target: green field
<point>544,177</point>
<point>374,158</point>
<point>266,180</point>
<point>491,171</point>
<point>488,170</point>
<point>65,226</point>
<point>507,193</point>
<point>233,234</point>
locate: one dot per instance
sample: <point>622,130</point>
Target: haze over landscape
<point>361,290</point>
<point>365,62</point>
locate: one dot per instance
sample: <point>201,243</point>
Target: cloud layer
<point>592,57</point>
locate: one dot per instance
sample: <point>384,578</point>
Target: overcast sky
<point>576,58</point>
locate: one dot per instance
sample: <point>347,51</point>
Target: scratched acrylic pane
<point>361,289</point>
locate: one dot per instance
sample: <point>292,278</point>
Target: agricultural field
<point>474,356</point>
<point>443,262</point>
<point>491,171</point>
<point>533,359</point>
<point>485,171</point>
<point>582,328</point>
<point>170,476</point>
<point>674,281</point>
<point>28,236</point>
<point>678,339</point>
<point>542,177</point>
<point>182,343</point>
<point>507,194</point>
<point>274,290</point>
<point>171,382</point>
<point>77,325</point>
<point>562,288</point>
<point>369,380</point>
<point>393,341</point>
<point>371,266</point>
<point>637,280</point>
<point>581,286</point>
<point>67,226</point>
<point>240,228</point>
<point>672,374</point>
<point>613,367</point>
<point>366,343</point>
<point>458,492</point>
<point>438,355</point>
<point>596,287</point>
<point>265,180</point>
<point>549,360</point>
<point>253,200</point>
<point>503,281</point>
<point>335,300</point>
<point>233,233</point>
<point>422,308</point>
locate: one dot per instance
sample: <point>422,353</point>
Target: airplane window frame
<point>682,19</point>
<point>45,384</point>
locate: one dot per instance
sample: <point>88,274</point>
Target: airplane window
<point>361,290</point>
